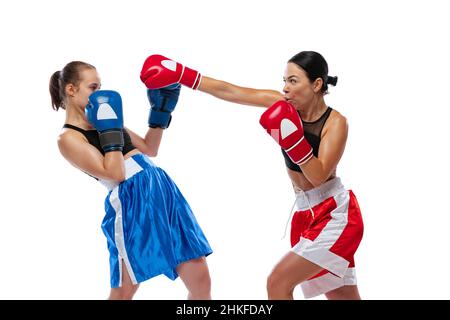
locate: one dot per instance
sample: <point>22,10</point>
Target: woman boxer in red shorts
<point>327,226</point>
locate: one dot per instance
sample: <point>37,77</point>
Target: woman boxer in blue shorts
<point>149,226</point>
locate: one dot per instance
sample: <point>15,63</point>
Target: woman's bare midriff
<point>300,182</point>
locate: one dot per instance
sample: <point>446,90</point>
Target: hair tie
<point>332,80</point>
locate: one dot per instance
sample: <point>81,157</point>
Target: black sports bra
<point>313,132</point>
<point>92,137</point>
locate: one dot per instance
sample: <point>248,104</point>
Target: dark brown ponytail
<point>54,87</point>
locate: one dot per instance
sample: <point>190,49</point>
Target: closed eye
<point>94,87</point>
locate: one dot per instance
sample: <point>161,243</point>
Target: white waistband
<point>131,168</point>
<point>308,199</point>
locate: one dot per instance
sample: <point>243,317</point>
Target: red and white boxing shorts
<point>326,229</point>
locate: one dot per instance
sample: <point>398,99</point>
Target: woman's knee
<point>203,283</point>
<point>276,282</point>
<point>123,293</point>
<point>195,275</point>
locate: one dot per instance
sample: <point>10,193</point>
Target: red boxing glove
<point>283,123</point>
<point>159,72</point>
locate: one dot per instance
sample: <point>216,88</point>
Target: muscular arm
<point>88,159</point>
<point>230,92</point>
<point>317,170</point>
<point>150,144</point>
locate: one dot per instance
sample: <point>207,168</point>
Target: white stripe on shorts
<point>119,236</point>
<point>327,282</point>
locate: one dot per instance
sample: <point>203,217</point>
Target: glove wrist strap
<point>111,140</point>
<point>159,119</point>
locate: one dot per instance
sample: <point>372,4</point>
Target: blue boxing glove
<point>104,112</point>
<point>162,102</point>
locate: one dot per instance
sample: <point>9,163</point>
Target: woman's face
<point>90,82</point>
<point>298,90</point>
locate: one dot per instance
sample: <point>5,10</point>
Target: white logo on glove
<point>287,128</point>
<point>169,64</point>
<point>105,112</point>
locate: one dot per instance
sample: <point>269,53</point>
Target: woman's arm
<point>332,145</point>
<point>88,159</point>
<point>150,144</point>
<point>230,92</point>
<point>159,71</point>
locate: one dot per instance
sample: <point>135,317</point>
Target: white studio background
<point>392,61</point>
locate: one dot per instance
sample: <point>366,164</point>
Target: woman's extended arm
<point>230,92</point>
<point>159,72</point>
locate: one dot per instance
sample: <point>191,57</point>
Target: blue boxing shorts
<point>149,225</point>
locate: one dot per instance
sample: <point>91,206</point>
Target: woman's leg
<point>127,290</point>
<point>195,275</point>
<point>287,274</point>
<point>344,293</point>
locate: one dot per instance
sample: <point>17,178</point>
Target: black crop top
<point>92,137</point>
<point>313,132</point>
